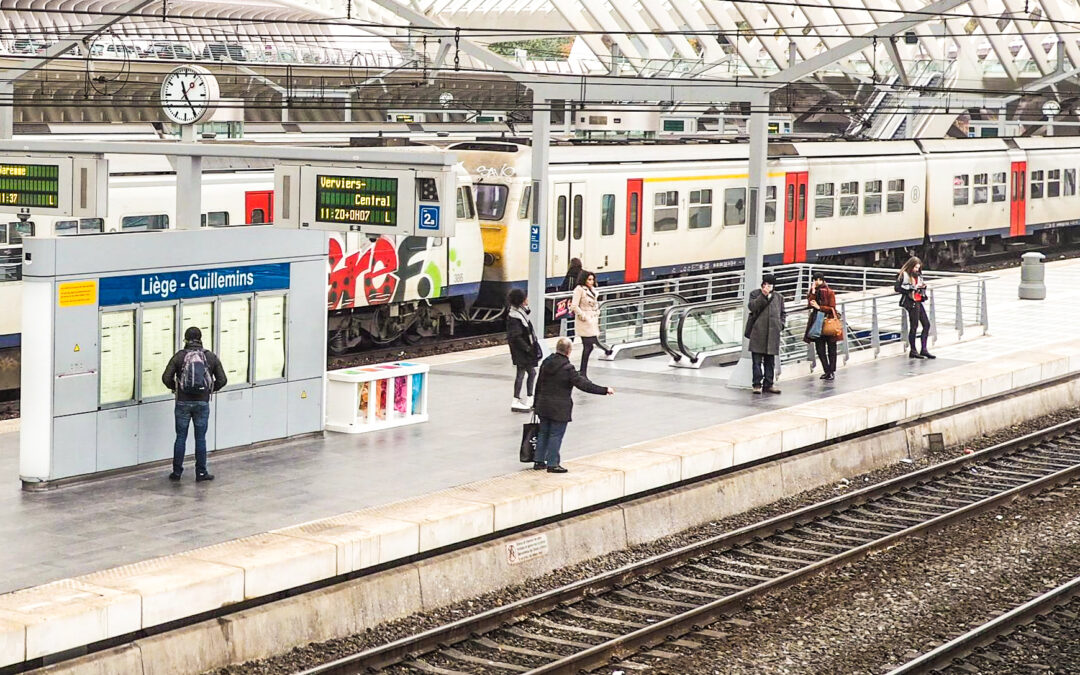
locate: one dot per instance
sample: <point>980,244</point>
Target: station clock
<point>189,94</point>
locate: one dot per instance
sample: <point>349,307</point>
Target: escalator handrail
<point>694,309</point>
<point>664,330</point>
<point>634,300</point>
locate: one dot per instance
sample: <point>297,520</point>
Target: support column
<point>742,375</point>
<point>188,185</point>
<point>7,110</point>
<point>538,229</point>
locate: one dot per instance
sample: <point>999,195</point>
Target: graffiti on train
<point>381,272</point>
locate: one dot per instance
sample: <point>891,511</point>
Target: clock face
<point>187,95</point>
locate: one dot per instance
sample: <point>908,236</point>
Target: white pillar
<point>538,230</point>
<point>7,110</point>
<point>188,185</point>
<point>741,376</point>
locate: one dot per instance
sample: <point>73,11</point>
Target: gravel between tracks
<point>314,654</point>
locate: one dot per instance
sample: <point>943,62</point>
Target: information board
<point>30,185</point>
<point>356,200</point>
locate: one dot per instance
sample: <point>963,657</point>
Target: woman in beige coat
<point>586,309</point>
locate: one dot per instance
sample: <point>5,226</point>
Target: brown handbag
<point>832,327</point>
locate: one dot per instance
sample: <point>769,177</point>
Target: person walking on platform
<point>193,374</point>
<point>572,274</point>
<point>524,348</point>
<point>822,302</point>
<point>764,328</point>
<point>912,289</point>
<point>553,403</point>
<point>586,309</point>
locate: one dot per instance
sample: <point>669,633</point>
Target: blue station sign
<point>163,286</point>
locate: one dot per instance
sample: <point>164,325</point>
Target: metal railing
<point>694,317</point>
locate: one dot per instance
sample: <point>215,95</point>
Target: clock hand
<point>190,104</point>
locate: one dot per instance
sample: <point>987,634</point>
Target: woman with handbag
<point>525,349</point>
<point>822,303</point>
<point>912,289</point>
<point>586,309</point>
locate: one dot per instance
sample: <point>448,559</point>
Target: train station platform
<point>125,553</point>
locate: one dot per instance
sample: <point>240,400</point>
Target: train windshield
<point>490,200</point>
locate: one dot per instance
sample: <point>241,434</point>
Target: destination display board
<point>356,200</point>
<point>30,185</point>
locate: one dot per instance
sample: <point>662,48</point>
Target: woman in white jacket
<point>586,309</point>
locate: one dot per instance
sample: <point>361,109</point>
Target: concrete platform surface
<point>416,488</point>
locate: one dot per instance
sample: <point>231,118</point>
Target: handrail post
<point>905,330</point>
<point>933,317</point>
<point>875,327</point>
<point>959,313</point>
<point>847,346</point>
<point>984,315</point>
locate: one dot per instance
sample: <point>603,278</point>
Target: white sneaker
<point>519,406</point>
<point>528,401</point>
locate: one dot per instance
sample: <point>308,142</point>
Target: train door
<point>259,207</point>
<point>633,231</point>
<point>795,198</point>
<point>566,239</point>
<point>1018,200</point>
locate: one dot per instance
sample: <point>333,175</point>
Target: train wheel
<point>338,343</point>
<point>385,328</point>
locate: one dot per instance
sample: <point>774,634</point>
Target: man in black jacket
<point>193,378</point>
<point>553,403</point>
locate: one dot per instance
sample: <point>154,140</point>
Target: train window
<point>526,197</point>
<point>607,215</point>
<point>849,198</point>
<point>215,219</point>
<point>491,201</point>
<point>560,218</point>
<point>700,209</point>
<point>66,227</point>
<point>20,230</point>
<point>960,192</point>
<point>1069,187</point>
<point>979,192</point>
<point>770,203</point>
<point>1053,183</point>
<point>998,191</point>
<point>4,233</point>
<point>258,216</point>
<point>141,223</point>
<point>666,211</point>
<point>466,210</point>
<point>579,207</point>
<point>789,213</point>
<point>871,197</point>
<point>1036,184</point>
<point>634,219</point>
<point>734,206</point>
<point>824,200</point>
<point>91,225</point>
<point>894,201</point>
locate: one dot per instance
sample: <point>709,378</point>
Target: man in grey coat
<point>763,329</point>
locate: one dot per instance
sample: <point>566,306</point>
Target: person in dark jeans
<point>553,404</point>
<point>822,300</point>
<point>524,348</point>
<point>764,328</point>
<point>193,374</point>
<point>912,289</point>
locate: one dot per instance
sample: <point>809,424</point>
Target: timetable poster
<point>158,346</point>
<point>200,315</point>
<point>117,356</point>
<point>235,346</point>
<point>270,338</point>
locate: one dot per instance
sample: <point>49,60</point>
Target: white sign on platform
<point>528,548</point>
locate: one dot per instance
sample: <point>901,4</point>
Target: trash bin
<point>1032,276</point>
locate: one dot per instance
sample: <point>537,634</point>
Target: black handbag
<point>530,431</point>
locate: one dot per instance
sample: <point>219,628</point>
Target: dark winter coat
<point>520,336</point>
<point>912,290</point>
<point>766,322</point>
<point>556,381</point>
<point>826,299</point>
<point>176,365</point>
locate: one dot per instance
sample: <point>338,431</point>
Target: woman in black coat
<point>524,348</point>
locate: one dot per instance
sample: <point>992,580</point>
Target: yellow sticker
<point>75,293</point>
<point>303,394</point>
<point>77,349</point>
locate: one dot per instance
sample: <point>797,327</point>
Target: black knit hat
<point>193,334</point>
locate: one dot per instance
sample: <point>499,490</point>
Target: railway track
<point>661,607</point>
<point>1046,615</point>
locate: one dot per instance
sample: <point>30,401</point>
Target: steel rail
<point>990,631</point>
<point>411,647</point>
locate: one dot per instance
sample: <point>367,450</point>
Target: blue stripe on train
<point>9,341</point>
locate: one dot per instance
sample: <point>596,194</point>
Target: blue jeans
<point>769,362</point>
<point>549,441</point>
<point>199,413</point>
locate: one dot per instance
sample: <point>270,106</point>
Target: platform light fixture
<point>910,38</point>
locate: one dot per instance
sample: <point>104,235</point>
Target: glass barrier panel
<point>117,382</point>
<point>158,346</point>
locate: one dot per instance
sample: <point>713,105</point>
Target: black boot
<point>912,354</point>
<point>925,354</point>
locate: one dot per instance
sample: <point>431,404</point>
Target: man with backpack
<point>193,374</point>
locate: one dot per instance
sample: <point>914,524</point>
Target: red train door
<point>259,207</point>
<point>1018,200</point>
<point>633,230</point>
<point>795,198</point>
